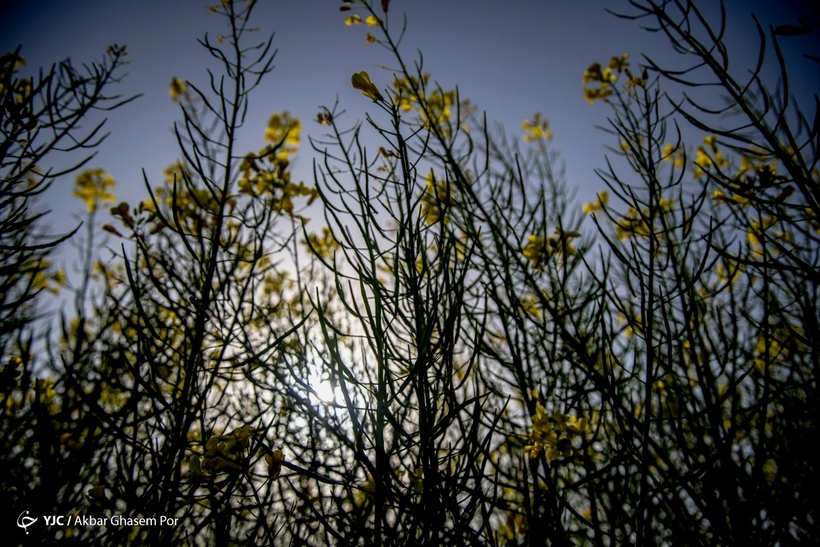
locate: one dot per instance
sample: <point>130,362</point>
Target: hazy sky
<point>510,58</point>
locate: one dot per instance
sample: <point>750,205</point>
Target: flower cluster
<point>773,351</point>
<point>409,91</point>
<point>92,186</point>
<point>708,156</point>
<point>633,223</point>
<point>676,155</point>
<point>756,173</point>
<point>18,90</point>
<point>600,202</point>
<point>537,129</point>
<point>267,174</point>
<point>540,248</point>
<point>322,245</point>
<point>180,194</point>
<point>45,278</point>
<point>356,19</point>
<point>437,196</point>
<point>434,108</point>
<point>605,78</point>
<point>553,434</point>
<point>283,131</point>
<point>222,453</point>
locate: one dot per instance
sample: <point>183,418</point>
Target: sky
<point>510,58</point>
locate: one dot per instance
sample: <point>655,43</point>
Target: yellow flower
<point>554,433</point>
<point>576,426</point>
<point>439,112</point>
<point>603,199</point>
<point>725,276</point>
<point>539,248</point>
<point>92,187</point>
<point>619,63</point>
<point>274,461</point>
<point>438,193</point>
<point>404,103</point>
<point>745,165</point>
<point>354,19</point>
<point>536,129</point>
<point>177,89</point>
<point>757,229</point>
<point>148,205</point>
<point>702,162</point>
<point>711,142</point>
<point>542,434</point>
<point>371,21</point>
<point>361,81</point>
<point>535,249</point>
<point>634,81</point>
<point>770,470</point>
<point>593,73</point>
<point>282,127</point>
<point>323,245</point>
<point>631,224</point>
<point>176,172</point>
<point>592,94</point>
<point>529,306</point>
<point>59,277</point>
<point>720,196</point>
<point>46,389</point>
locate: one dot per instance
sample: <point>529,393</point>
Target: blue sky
<point>510,58</point>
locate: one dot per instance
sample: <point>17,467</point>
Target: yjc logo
<point>25,521</point>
